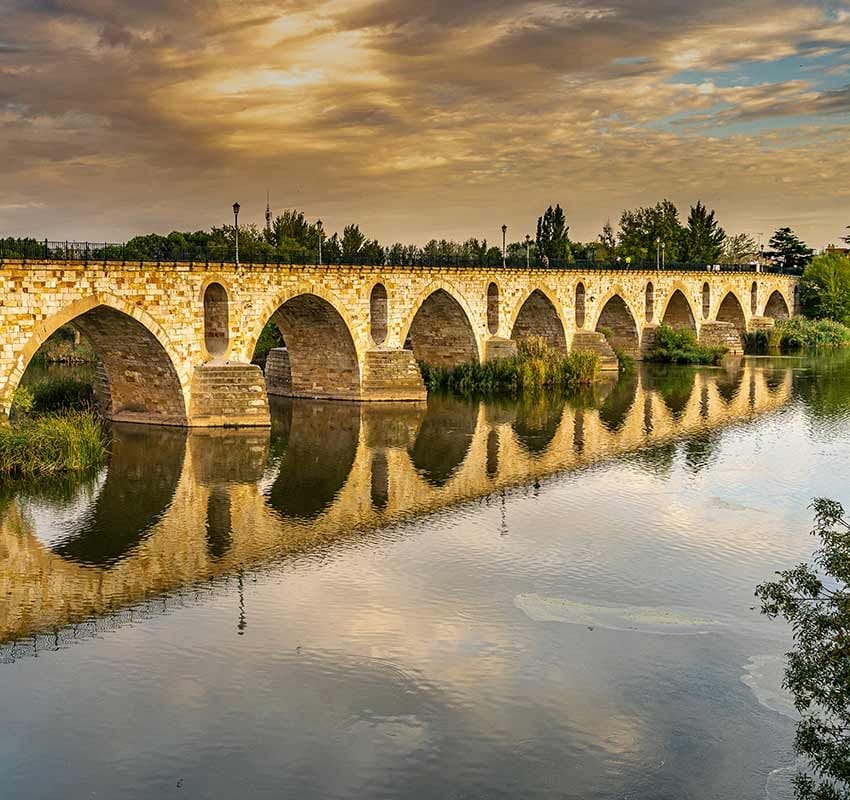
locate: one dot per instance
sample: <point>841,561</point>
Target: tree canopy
<point>789,250</point>
<point>825,288</point>
<point>553,239</point>
<point>815,599</point>
<point>641,230</point>
<point>702,241</point>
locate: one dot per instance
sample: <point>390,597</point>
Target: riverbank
<point>798,333</point>
<point>53,444</point>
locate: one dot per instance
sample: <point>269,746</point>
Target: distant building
<point>842,251</point>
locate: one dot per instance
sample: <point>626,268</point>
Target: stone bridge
<point>224,501</point>
<point>176,340</point>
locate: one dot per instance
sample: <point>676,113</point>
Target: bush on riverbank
<point>535,366</point>
<point>799,333</point>
<point>53,444</point>
<point>62,394</point>
<point>680,346</point>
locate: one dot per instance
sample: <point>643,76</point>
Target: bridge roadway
<point>176,340</point>
<point>224,501</point>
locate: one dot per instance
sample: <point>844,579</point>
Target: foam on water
<point>642,619</point>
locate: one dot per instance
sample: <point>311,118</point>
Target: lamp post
<point>504,251</point>
<point>321,234</point>
<point>657,252</point>
<point>236,229</point>
<point>527,251</point>
<point>663,254</point>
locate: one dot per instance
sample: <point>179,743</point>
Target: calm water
<point>545,599</point>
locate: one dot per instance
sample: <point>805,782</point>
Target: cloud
<point>417,120</point>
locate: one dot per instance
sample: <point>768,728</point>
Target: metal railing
<point>127,253</point>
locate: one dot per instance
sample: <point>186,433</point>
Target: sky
<point>422,119</point>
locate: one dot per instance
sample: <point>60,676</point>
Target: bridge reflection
<point>176,509</point>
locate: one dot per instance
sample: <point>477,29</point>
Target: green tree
<point>702,240</point>
<point>352,240</point>
<point>640,230</point>
<point>739,249</point>
<point>789,250</point>
<point>607,251</point>
<point>815,599</point>
<point>846,239</point>
<point>553,238</point>
<point>825,288</point>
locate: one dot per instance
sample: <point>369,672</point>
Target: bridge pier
<point>229,395</point>
<point>722,334</point>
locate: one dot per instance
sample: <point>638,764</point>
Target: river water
<point>550,598</point>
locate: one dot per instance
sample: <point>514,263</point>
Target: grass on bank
<point>53,444</point>
<point>799,333</point>
<point>54,394</point>
<point>680,346</point>
<point>535,366</point>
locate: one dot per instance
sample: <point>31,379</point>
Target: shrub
<point>535,366</point>
<point>825,288</point>
<point>679,346</point>
<point>798,333</point>
<point>61,394</point>
<point>53,444</point>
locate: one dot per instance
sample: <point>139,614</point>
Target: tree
<point>553,234</point>
<point>846,239</point>
<point>352,240</point>
<point>815,599</point>
<point>825,288</point>
<point>608,242</point>
<point>789,250</point>
<point>739,249</point>
<point>702,240</point>
<point>641,229</point>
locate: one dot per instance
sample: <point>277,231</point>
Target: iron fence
<point>123,253</point>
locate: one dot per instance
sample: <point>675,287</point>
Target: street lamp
<point>527,251</point>
<point>504,251</point>
<point>319,228</point>
<point>236,229</point>
<point>657,252</point>
<point>663,254</point>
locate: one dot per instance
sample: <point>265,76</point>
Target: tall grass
<point>535,366</point>
<point>680,346</point>
<point>53,444</point>
<point>799,333</point>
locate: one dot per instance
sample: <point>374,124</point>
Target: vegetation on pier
<point>680,346</point>
<point>535,366</point>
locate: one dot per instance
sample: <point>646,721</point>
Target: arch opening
<point>318,358</point>
<point>754,298</point>
<point>441,334</point>
<point>581,305</point>
<point>678,313</point>
<point>731,311</point>
<point>706,300</point>
<point>776,306</point>
<point>539,318</point>
<point>378,313</point>
<point>134,378</point>
<point>493,309</point>
<point>216,320</point>
<point>617,322</point>
<point>649,308</point>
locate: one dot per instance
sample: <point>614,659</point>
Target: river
<point>535,599</point>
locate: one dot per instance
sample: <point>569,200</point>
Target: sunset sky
<point>421,119</point>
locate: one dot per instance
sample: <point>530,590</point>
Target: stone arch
<point>378,313</point>
<point>216,319</point>
<point>617,317</point>
<point>649,302</point>
<point>440,332</point>
<point>754,298</point>
<point>678,313</point>
<point>581,305</point>
<point>139,377</point>
<point>493,308</point>
<point>732,311</point>
<point>796,301</point>
<point>321,355</point>
<point>776,306</point>
<point>538,316</point>
<point>706,300</point>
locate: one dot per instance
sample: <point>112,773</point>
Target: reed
<point>53,444</point>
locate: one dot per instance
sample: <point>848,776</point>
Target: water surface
<point>545,598</point>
